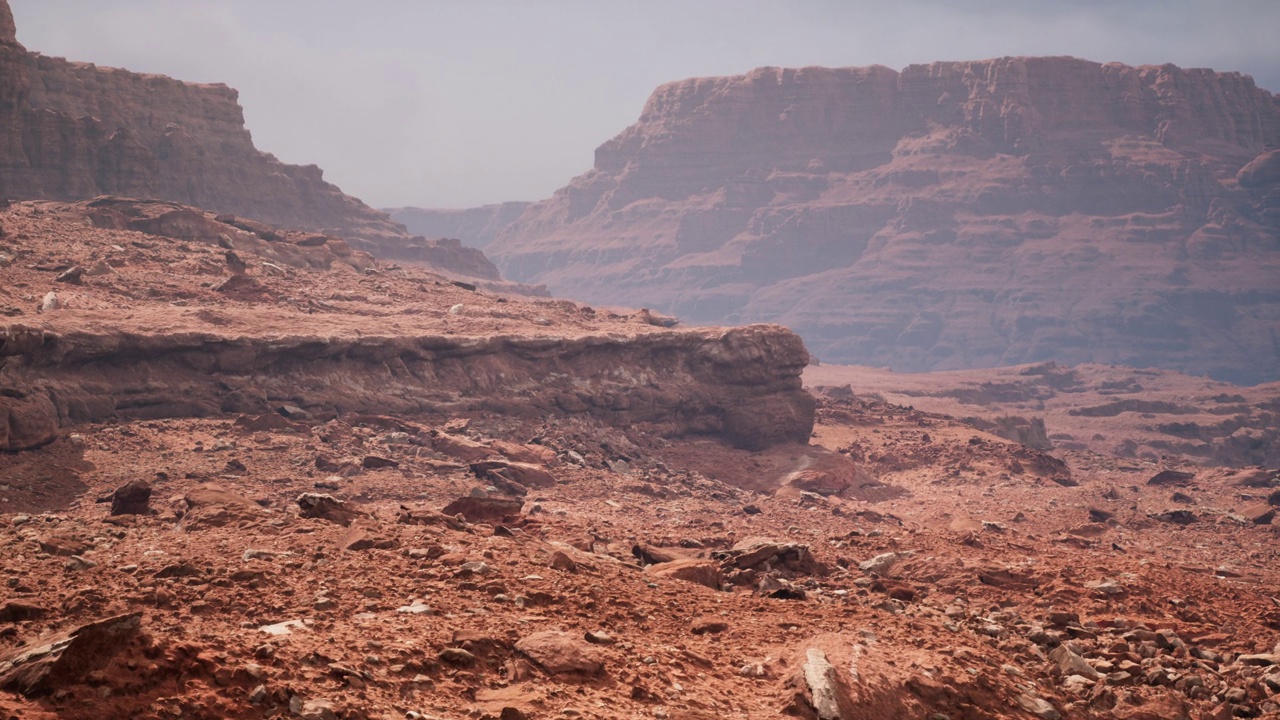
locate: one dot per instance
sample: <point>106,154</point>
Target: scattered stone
<point>820,683</point>
<point>880,564</point>
<point>293,412</point>
<point>1099,515</point>
<point>327,507</point>
<point>1172,477</point>
<point>650,555</point>
<point>599,637</point>
<point>61,659</point>
<point>649,317</point>
<point>417,607</point>
<point>525,474</point>
<point>1260,659</point>
<point>561,653</point>
<point>374,462</point>
<point>460,447</point>
<point>1177,517</point>
<point>457,656</point>
<point>694,570</point>
<point>317,710</point>
<point>560,560</point>
<point>283,628</point>
<point>20,611</point>
<point>132,498</point>
<point>214,507</point>
<point>1039,707</point>
<point>235,263</point>
<point>779,589</point>
<point>62,546</point>
<point>708,625</point>
<point>1260,514</point>
<point>366,535</point>
<point>481,509</point>
<point>1072,664</point>
<point>72,276</point>
<point>178,570</point>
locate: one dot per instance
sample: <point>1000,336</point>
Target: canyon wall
<point>742,384</point>
<point>951,215</point>
<point>478,226</point>
<point>72,130</point>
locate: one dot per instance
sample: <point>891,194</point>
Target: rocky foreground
<point>259,474</point>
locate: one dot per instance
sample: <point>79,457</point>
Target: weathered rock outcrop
<point>951,215</point>
<point>477,226</point>
<point>741,384</point>
<point>72,131</point>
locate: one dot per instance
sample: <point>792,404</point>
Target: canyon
<point>265,454</point>
<point>947,216</point>
<point>258,473</point>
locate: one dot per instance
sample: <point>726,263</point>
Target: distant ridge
<point>950,215</point>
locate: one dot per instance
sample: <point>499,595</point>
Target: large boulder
<point>57,660</point>
<point>561,653</point>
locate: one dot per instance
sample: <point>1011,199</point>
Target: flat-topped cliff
<point>950,215</point>
<point>71,130</point>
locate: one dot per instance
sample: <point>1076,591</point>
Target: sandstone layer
<point>249,324</point>
<point>951,215</point>
<point>71,130</point>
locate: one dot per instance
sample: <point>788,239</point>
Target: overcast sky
<point>454,103</point>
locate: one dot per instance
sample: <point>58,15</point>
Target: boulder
<point>562,653</point>
<point>60,659</point>
<point>462,448</point>
<point>132,498</point>
<point>1171,477</point>
<point>525,474</point>
<point>215,507</point>
<point>327,507</point>
<point>27,421</point>
<point>485,509</point>
<point>695,570</point>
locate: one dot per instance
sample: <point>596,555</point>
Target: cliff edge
<point>951,215</point>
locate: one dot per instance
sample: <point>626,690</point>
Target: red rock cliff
<point>949,215</point>
<point>74,130</point>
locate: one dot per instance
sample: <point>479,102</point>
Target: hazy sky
<point>453,103</point>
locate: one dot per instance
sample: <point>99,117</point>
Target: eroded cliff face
<point>75,130</point>
<point>949,215</point>
<point>139,310</point>
<point>742,385</point>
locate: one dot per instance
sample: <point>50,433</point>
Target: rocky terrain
<point>1121,412</point>
<point>255,473</point>
<point>73,131</point>
<point>947,216</point>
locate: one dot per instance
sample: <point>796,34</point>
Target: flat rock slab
<point>480,509</point>
<point>60,659</point>
<point>327,507</point>
<point>562,653</point>
<point>694,570</point>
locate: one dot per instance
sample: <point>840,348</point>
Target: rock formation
<point>951,215</point>
<point>478,225</point>
<point>72,130</point>
<point>264,337</point>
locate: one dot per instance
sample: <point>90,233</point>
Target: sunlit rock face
<point>950,215</point>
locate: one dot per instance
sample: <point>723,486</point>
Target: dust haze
<point>454,104</point>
